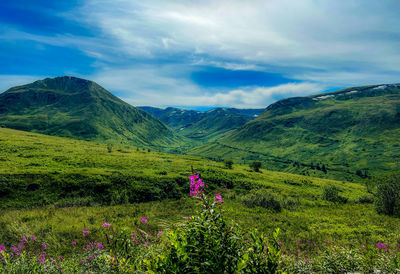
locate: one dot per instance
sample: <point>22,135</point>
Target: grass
<point>55,187</point>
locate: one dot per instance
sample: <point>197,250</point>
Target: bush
<point>256,165</point>
<point>261,198</point>
<point>365,200</point>
<point>331,194</point>
<point>228,164</point>
<point>387,198</point>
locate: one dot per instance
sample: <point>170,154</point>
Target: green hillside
<point>81,109</point>
<point>203,125</point>
<point>348,134</point>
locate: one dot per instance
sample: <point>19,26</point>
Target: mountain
<point>77,108</point>
<point>347,134</point>
<point>203,125</point>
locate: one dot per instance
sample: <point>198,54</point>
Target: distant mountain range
<point>77,108</point>
<point>349,134</point>
<point>203,125</point>
<point>346,134</point>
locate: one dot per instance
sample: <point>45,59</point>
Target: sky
<point>202,54</point>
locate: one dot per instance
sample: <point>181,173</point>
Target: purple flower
<point>2,248</point>
<point>159,233</point>
<point>83,261</point>
<point>23,240</point>
<point>279,243</point>
<point>100,246</point>
<point>218,198</point>
<point>73,242</point>
<point>91,257</point>
<point>196,187</point>
<point>143,220</point>
<point>44,246</point>
<point>84,232</point>
<point>33,237</point>
<point>308,241</point>
<point>60,258</point>
<point>298,240</point>
<point>146,244</point>
<point>106,225</point>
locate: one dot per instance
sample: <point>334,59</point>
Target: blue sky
<point>199,54</point>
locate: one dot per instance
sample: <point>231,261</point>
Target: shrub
<point>259,197</point>
<point>365,200</point>
<point>256,165</point>
<point>387,198</point>
<point>331,194</point>
<point>109,148</point>
<point>228,164</point>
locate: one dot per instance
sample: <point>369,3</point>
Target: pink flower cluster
<point>218,198</point>
<point>196,185</point>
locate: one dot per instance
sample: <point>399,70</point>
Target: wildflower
<point>91,257</point>
<point>44,246</point>
<point>60,258</point>
<point>143,220</point>
<point>2,248</point>
<point>298,240</point>
<point>83,261</point>
<point>159,233</point>
<point>196,187</point>
<point>146,244</point>
<point>106,225</point>
<point>315,245</point>
<point>279,243</point>
<point>218,198</point>
<point>21,246</point>
<point>23,240</point>
<point>100,246</point>
<point>363,246</point>
<point>308,241</point>
<point>73,242</point>
<point>133,234</point>
<point>298,251</point>
<point>33,237</point>
<point>306,260</point>
<point>84,232</point>
<point>188,217</point>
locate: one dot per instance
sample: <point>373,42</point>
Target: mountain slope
<point>77,108</point>
<point>352,133</point>
<point>203,125</point>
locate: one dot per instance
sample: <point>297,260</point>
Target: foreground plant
<point>208,244</point>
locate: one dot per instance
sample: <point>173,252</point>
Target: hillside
<point>348,134</point>
<point>203,125</point>
<point>81,109</point>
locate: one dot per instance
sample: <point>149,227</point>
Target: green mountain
<point>77,108</point>
<point>347,134</point>
<point>203,125</point>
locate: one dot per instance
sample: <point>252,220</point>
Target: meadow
<point>55,188</point>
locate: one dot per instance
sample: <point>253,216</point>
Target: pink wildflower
<point>218,198</point>
<point>73,242</point>
<point>23,240</point>
<point>159,233</point>
<point>196,187</point>
<point>2,248</point>
<point>143,220</point>
<point>106,225</point>
<point>44,246</point>
<point>33,237</point>
<point>298,240</point>
<point>146,244</point>
<point>84,232</point>
<point>100,246</point>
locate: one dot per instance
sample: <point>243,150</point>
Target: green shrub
<point>256,165</point>
<point>387,198</point>
<point>259,197</point>
<point>228,164</point>
<point>331,194</point>
<point>365,200</point>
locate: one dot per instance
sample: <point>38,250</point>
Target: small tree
<point>228,164</point>
<point>109,148</point>
<point>256,165</point>
<point>387,198</point>
<point>331,194</point>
